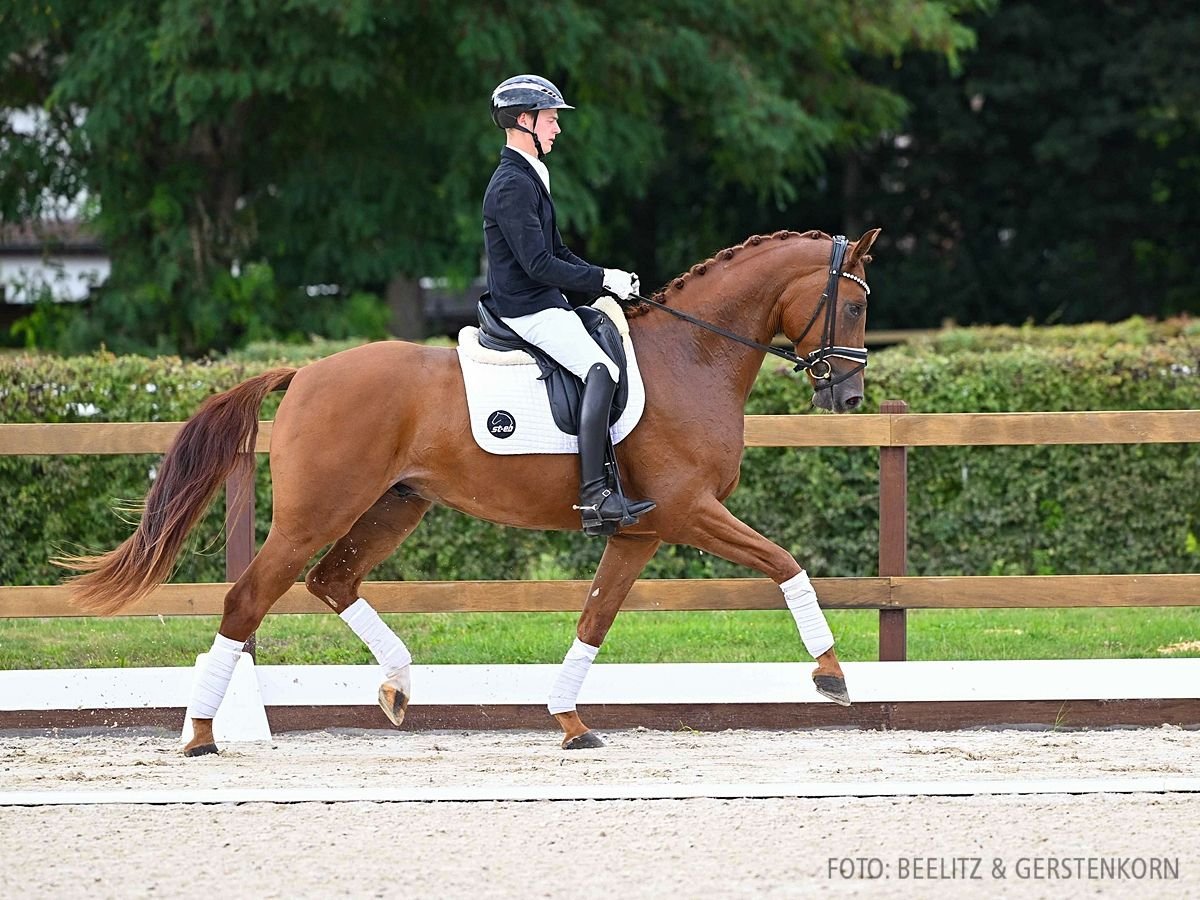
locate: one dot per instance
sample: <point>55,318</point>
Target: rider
<point>529,267</point>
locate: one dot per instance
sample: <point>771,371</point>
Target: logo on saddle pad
<point>501,424</point>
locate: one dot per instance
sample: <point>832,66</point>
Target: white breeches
<point>560,333</point>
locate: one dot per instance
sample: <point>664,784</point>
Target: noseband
<point>820,356</point>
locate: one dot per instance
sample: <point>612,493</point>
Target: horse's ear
<point>862,246</point>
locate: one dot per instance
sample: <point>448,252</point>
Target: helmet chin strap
<point>536,143</point>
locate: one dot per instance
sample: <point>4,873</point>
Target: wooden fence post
<point>893,537</point>
<point>239,526</point>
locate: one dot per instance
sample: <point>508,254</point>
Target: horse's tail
<point>201,457</point>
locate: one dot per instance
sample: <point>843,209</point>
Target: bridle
<point>827,349</point>
<point>829,302</point>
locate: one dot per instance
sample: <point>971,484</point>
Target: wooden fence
<point>891,592</point>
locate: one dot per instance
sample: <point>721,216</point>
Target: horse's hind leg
<point>272,571</point>
<point>336,580</point>
<point>624,558</point>
<point>714,529</point>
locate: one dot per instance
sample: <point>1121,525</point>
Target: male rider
<point>529,267</point>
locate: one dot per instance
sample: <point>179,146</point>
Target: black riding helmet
<point>522,94</point>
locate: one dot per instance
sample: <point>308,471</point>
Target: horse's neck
<point>741,298</point>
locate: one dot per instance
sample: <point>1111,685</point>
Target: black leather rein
<point>821,354</point>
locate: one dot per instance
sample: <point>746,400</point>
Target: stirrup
<point>598,527</point>
<point>596,524</point>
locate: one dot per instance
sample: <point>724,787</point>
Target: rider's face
<point>546,128</point>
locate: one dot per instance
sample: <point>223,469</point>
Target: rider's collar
<point>538,166</point>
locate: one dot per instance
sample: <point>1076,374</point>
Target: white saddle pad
<point>508,406</point>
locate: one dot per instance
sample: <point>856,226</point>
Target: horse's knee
<point>241,616</point>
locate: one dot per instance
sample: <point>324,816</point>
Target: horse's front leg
<point>624,558</point>
<point>716,530</point>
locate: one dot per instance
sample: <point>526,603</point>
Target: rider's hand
<point>619,283</point>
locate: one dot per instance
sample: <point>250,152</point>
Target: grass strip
<point>762,636</point>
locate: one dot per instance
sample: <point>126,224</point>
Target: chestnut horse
<point>366,440</point>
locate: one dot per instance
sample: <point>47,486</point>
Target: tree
<point>1053,179</point>
<point>236,152</point>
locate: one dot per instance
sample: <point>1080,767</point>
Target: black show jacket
<point>528,265</point>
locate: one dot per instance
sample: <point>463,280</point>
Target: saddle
<point>563,388</point>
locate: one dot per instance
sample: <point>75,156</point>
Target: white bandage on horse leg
<point>209,689</point>
<point>570,677</point>
<point>802,601</point>
<point>388,649</point>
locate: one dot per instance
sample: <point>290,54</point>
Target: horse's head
<point>828,330</point>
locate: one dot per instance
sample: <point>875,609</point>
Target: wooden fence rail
<point>892,592</point>
<point>886,429</point>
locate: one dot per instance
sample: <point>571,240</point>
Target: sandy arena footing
<point>993,844</point>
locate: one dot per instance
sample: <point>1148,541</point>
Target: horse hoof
<point>833,687</point>
<point>200,750</point>
<point>393,700</point>
<point>589,740</point>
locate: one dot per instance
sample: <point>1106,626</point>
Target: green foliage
<point>1027,161</point>
<point>64,503</point>
<point>701,123</point>
<point>46,326</point>
<point>978,510</point>
<point>1051,509</point>
<point>334,143</point>
<point>1053,178</point>
<point>1136,331</point>
<point>269,353</point>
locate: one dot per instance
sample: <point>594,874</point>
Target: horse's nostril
<point>852,402</point>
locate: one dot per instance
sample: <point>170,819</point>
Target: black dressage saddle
<point>563,388</point>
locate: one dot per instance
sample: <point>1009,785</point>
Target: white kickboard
<point>241,716</point>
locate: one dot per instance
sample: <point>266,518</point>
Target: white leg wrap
<point>802,601</point>
<point>209,689</point>
<point>388,649</point>
<point>570,677</point>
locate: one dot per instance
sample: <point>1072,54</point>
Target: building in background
<point>58,261</point>
<point>63,262</point>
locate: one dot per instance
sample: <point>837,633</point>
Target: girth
<point>563,388</point>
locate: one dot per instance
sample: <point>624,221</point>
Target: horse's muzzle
<point>840,398</point>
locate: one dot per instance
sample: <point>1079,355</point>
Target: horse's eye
<point>854,310</point>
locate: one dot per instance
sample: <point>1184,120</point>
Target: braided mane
<point>677,284</point>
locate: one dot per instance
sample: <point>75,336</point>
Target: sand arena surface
<point>627,848</point>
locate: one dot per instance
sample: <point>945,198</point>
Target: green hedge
<point>1054,509</point>
<point>981,510</point>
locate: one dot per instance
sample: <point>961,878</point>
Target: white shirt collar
<point>538,166</point>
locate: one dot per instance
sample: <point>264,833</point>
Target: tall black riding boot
<point>601,507</point>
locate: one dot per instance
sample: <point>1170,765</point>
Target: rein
<point>821,354</point>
